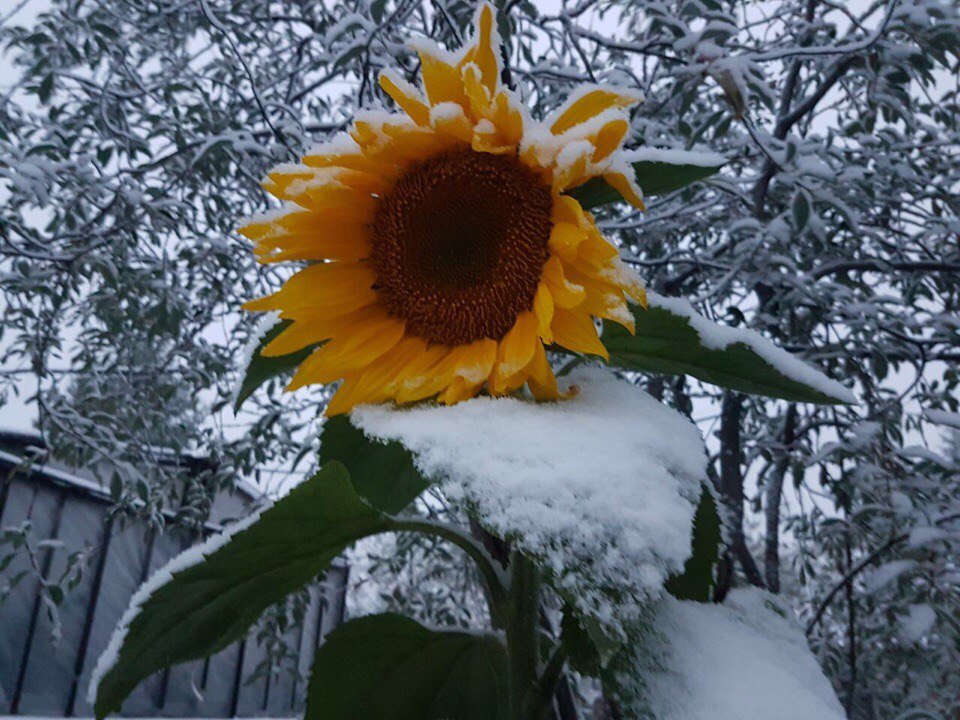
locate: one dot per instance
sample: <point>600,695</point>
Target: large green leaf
<point>261,369</point>
<point>204,607</point>
<point>669,340</point>
<point>382,472</point>
<point>388,667</point>
<point>696,582</point>
<point>657,173</point>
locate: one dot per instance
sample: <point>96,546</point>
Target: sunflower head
<point>443,253</point>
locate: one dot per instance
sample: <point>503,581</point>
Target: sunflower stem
<point>522,634</point>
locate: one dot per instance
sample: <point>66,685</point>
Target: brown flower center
<point>459,245</point>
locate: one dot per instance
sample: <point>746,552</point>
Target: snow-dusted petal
<point>742,660</point>
<point>601,488</point>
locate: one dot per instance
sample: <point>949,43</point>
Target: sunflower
<point>443,253</point>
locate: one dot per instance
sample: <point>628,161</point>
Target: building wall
<point>42,677</point>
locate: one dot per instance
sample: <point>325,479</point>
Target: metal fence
<point>41,677</point>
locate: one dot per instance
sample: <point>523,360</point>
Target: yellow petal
<point>346,245</point>
<point>485,52</point>
<point>426,375</point>
<point>408,146</point>
<point>347,354</point>
<point>436,378</point>
<point>543,309</point>
<point>342,285</point>
<point>608,138</point>
<point>590,104</point>
<point>507,119</point>
<point>567,210</point>
<point>627,187</point>
<point>406,96</point>
<point>449,118</point>
<point>574,330</point>
<point>352,160</point>
<point>376,382</point>
<point>441,80</point>
<point>477,93</point>
<point>458,391</point>
<point>312,236</point>
<point>311,329</point>
<point>540,379</point>
<point>515,353</point>
<point>565,239</point>
<point>565,294</point>
<point>597,249</point>
<point>476,361</point>
<point>517,347</point>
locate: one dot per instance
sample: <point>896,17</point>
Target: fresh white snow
<point>918,621</point>
<point>886,574</point>
<point>942,417</point>
<point>719,337</point>
<point>743,660</point>
<point>601,488</point>
<point>700,158</point>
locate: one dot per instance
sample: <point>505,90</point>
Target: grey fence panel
<point>15,634</point>
<point>218,686</point>
<point>50,678</point>
<point>123,571</point>
<point>252,693</point>
<point>39,677</point>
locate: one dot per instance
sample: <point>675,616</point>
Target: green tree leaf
<point>261,369</point>
<point>654,176</point>
<point>696,582</point>
<point>388,667</point>
<point>668,340</point>
<point>203,608</point>
<point>383,473</point>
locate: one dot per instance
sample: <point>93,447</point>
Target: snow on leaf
<point>917,622</point>
<point>601,488</point>
<point>886,574</point>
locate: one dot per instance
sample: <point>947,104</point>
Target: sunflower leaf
<point>205,605</point>
<point>392,668</point>
<point>261,369</point>
<point>672,339</point>
<point>657,173</point>
<point>383,473</point>
<point>696,582</point>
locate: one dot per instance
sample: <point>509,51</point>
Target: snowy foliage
<point>133,135</point>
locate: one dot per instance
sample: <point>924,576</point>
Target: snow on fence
<point>40,676</point>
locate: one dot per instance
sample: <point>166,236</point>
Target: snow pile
<point>743,660</point>
<point>600,488</point>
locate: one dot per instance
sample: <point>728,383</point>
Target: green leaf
<point>668,342</point>
<point>45,89</point>
<point>205,607</point>
<point>589,648</point>
<point>261,369</point>
<point>382,473</point>
<point>696,582</point>
<point>388,667</point>
<point>800,209</point>
<point>655,176</point>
